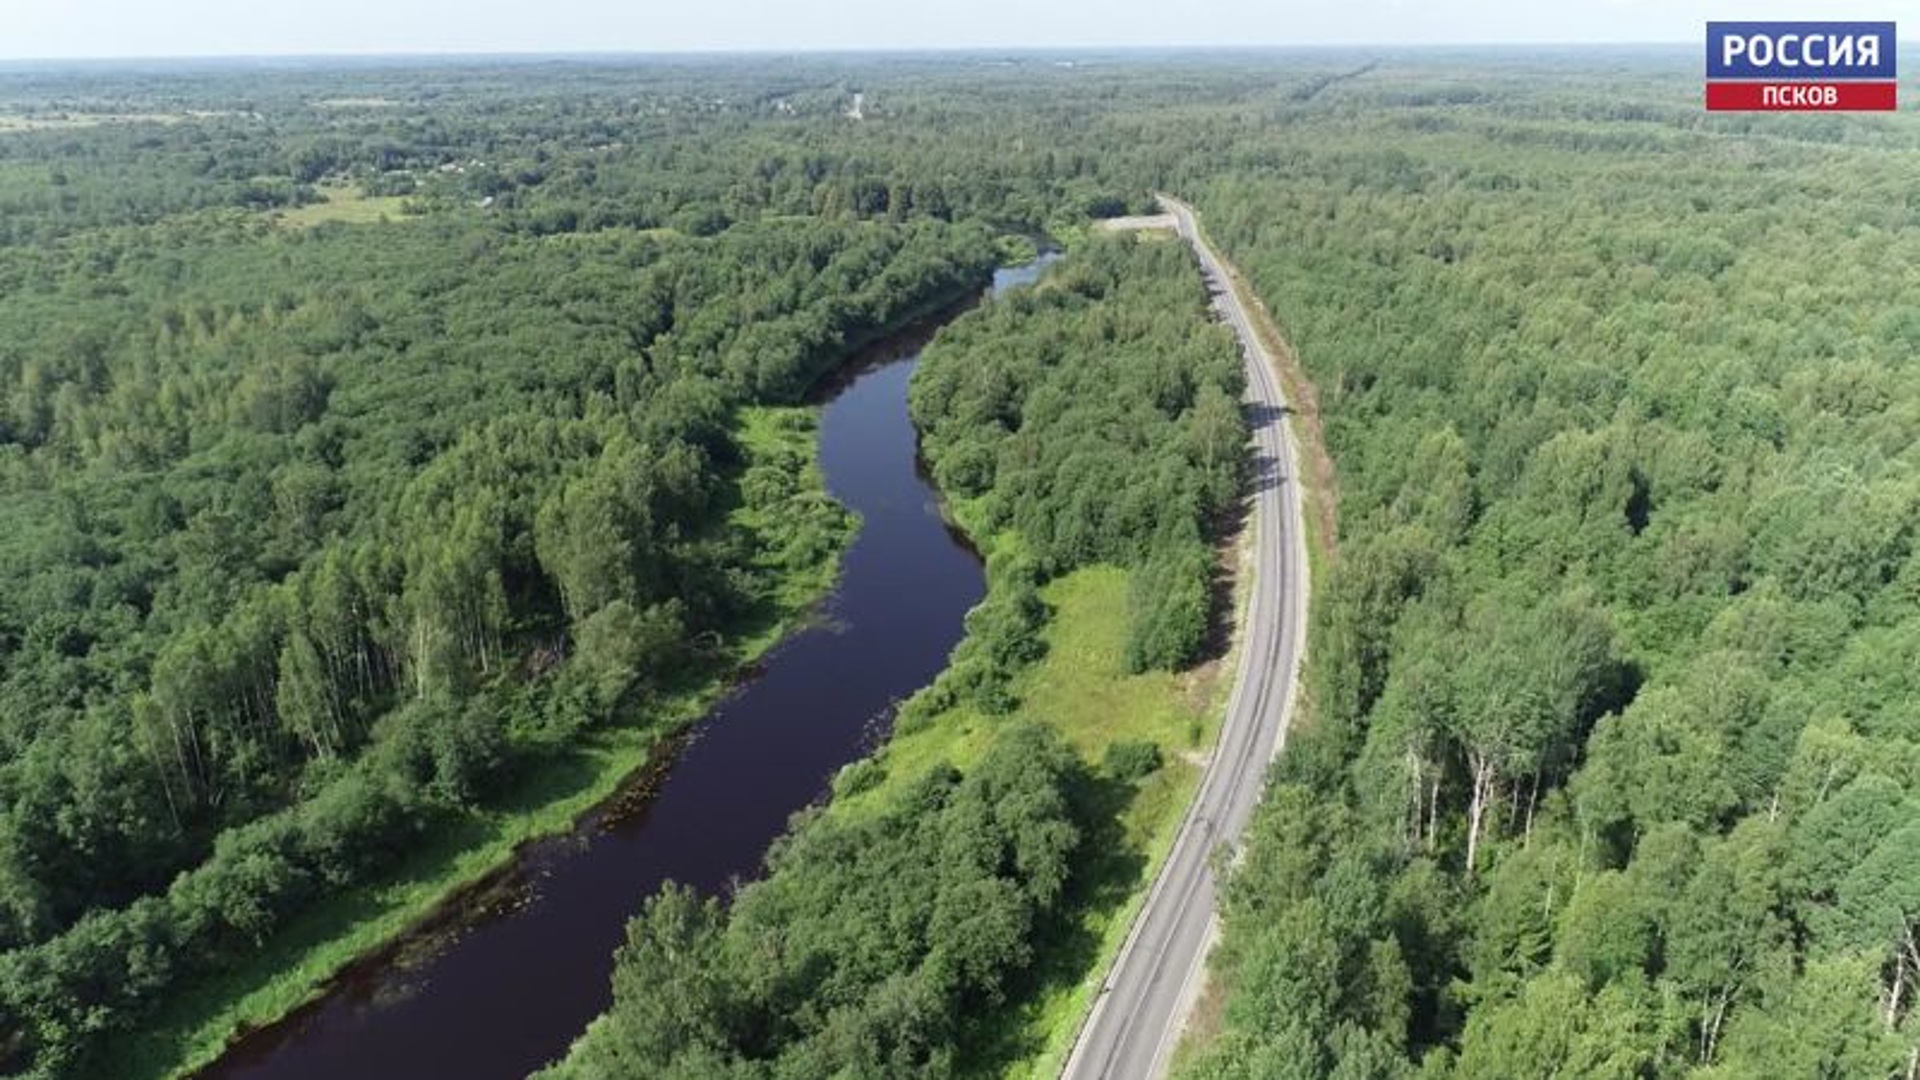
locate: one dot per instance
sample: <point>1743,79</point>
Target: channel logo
<point>1801,67</point>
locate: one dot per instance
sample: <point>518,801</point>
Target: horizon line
<point>833,51</point>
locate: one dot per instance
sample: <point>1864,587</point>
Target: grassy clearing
<point>770,434</point>
<point>350,206</point>
<point>1082,689</point>
<point>601,236</point>
<point>295,966</point>
<point>58,121</point>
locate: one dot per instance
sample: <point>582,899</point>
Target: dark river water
<point>505,988</point>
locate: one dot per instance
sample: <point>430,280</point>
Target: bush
<point>1132,759</point>
<point>856,777</point>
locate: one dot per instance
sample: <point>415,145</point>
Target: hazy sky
<point>109,28</point>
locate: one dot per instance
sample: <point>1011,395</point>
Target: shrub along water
<point>868,944</point>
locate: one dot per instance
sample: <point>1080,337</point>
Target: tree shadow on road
<point>1227,529</point>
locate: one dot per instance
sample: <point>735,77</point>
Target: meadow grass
<point>40,120</point>
<point>347,205</point>
<point>1082,689</point>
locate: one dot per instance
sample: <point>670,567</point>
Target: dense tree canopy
<point>870,946</point>
<point>1097,418</point>
<point>1610,747</point>
<point>300,524</point>
<point>314,531</point>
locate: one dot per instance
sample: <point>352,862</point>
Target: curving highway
<point>1143,1005</point>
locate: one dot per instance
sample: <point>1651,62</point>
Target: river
<point>506,986</point>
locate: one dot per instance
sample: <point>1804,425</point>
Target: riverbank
<point>1060,656</point>
<point>1082,689</point>
<point>453,870</point>
<point>316,1001</point>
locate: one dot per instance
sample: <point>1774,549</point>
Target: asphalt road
<point>1142,1008</point>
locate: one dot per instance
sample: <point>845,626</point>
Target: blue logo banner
<point>1800,50</point>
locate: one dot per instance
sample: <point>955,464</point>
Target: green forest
<point>316,539</point>
<point>900,931</point>
<point>1096,419</point>
<point>372,440</point>
<point>1608,766</point>
<point>869,944</point>
<point>303,569</point>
